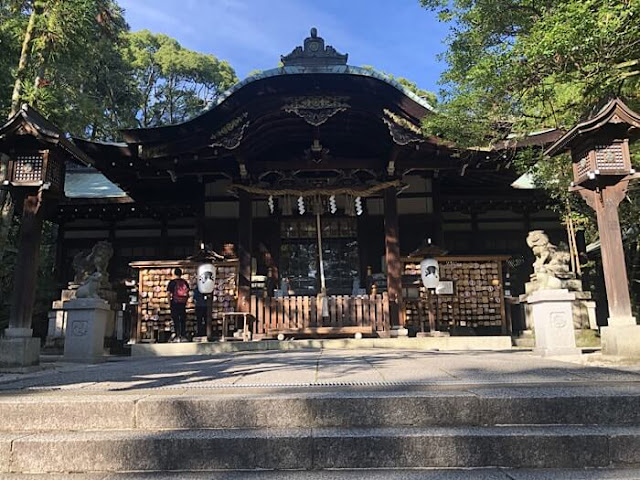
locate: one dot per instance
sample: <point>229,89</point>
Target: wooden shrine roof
<point>271,123</point>
<point>313,113</point>
<point>28,125</point>
<point>615,113</point>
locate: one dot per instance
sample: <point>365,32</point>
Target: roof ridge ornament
<point>314,53</point>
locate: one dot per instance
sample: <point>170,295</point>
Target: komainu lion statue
<point>91,286</point>
<point>551,268</point>
<point>86,263</point>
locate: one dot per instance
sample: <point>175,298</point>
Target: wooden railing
<point>304,313</point>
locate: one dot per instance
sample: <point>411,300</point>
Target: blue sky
<point>397,36</point>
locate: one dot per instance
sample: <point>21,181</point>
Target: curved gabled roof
<point>314,112</point>
<point>416,107</point>
<point>314,58</point>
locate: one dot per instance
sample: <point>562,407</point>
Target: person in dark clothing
<point>178,289</point>
<point>201,312</point>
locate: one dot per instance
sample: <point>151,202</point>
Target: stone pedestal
<point>19,351</point>
<point>552,317</point>
<point>87,320</point>
<point>583,309</point>
<point>58,316</point>
<point>621,340</point>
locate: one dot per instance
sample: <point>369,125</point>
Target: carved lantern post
<point>37,152</point>
<point>602,171</point>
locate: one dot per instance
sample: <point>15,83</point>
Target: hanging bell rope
<point>311,192</point>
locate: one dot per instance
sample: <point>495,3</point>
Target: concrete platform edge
<point>495,343</point>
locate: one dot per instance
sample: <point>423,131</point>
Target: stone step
<point>215,409</point>
<point>524,342</point>
<point>370,474</point>
<point>319,449</point>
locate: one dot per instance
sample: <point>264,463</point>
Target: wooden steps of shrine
<point>558,427</point>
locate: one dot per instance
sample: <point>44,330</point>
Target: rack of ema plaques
<point>470,299</point>
<point>154,311</point>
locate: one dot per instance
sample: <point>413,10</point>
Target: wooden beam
<point>605,203</point>
<point>26,268</point>
<point>244,251</point>
<point>392,257</point>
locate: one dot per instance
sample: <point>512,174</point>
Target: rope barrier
<point>311,192</point>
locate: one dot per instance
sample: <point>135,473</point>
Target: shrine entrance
<point>316,184</point>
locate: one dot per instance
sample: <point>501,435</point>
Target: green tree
<point>517,66</point>
<point>64,59</point>
<point>174,83</point>
<point>520,66</point>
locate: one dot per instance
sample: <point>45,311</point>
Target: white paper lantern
<point>206,278</point>
<point>430,272</point>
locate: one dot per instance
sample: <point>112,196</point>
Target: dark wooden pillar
<point>436,197</point>
<point>605,203</point>
<point>392,255</point>
<point>26,269</point>
<point>244,251</point>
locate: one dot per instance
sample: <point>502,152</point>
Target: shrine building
<point>314,181</point>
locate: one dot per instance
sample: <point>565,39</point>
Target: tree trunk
<point>22,64</point>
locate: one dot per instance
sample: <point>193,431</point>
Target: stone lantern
<point>602,171</point>
<point>34,174</point>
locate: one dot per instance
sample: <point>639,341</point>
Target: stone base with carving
<point>58,317</point>
<point>583,311</point>
<point>552,318</point>
<point>87,320</point>
<point>621,340</point>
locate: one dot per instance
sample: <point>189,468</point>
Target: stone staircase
<point>496,431</point>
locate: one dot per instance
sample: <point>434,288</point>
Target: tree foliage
<point>92,77</point>
<point>173,82</point>
<point>521,66</point>
<point>517,66</point>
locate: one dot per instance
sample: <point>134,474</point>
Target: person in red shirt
<point>178,289</point>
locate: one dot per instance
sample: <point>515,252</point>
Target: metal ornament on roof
<point>316,110</point>
<point>231,134</point>
<point>314,53</point>
<point>402,130</point>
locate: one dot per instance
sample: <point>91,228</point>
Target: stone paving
<point>319,368</point>
<point>418,474</point>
